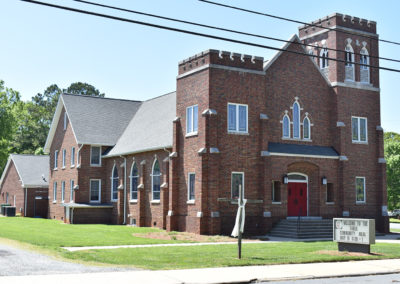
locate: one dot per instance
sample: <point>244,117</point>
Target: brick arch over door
<point>314,188</point>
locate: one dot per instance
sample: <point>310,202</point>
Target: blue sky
<point>41,46</point>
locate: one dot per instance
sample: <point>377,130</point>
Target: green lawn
<point>226,255</point>
<point>50,235</point>
<point>53,234</point>
<point>394,220</point>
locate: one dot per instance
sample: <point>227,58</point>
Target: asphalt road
<point>16,262</point>
<point>374,279</point>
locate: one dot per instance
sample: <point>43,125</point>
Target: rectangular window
<point>64,155</point>
<point>191,184</point>
<point>55,191</point>
<point>192,119</point>
<point>62,191</point>
<point>237,181</point>
<point>72,156</point>
<point>71,198</point>
<point>329,193</point>
<point>360,189</point>
<point>95,156</point>
<point>359,129</point>
<point>65,120</point>
<point>55,159</point>
<point>95,190</point>
<point>77,157</point>
<point>276,191</point>
<point>237,118</point>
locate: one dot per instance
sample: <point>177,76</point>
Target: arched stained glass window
<point>114,184</point>
<point>134,182</point>
<point>306,128</point>
<point>156,180</point>
<point>296,120</point>
<point>323,63</point>
<point>286,127</point>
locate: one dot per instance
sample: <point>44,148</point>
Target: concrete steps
<point>303,229</point>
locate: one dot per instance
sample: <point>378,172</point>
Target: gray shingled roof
<point>308,150</point>
<point>98,120</point>
<point>31,168</point>
<point>151,127</point>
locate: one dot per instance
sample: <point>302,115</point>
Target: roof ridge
<point>31,155</point>
<point>104,98</point>
<point>159,96</point>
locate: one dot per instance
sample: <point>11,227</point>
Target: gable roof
<point>30,168</point>
<point>93,120</point>
<point>150,129</point>
<point>293,38</point>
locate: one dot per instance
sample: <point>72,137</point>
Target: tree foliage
<point>392,156</point>
<point>10,106</point>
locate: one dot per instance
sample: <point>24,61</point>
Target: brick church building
<point>300,134</point>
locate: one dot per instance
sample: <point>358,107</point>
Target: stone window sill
<point>192,134</point>
<point>238,133</point>
<point>276,202</point>
<point>190,202</point>
<point>155,202</point>
<point>133,201</point>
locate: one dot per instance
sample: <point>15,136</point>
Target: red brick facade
<point>213,79</point>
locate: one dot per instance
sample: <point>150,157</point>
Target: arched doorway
<point>297,203</point>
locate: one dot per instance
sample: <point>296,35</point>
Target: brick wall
<point>12,186</point>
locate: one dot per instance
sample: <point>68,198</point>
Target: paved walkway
<point>389,238</point>
<point>222,275</point>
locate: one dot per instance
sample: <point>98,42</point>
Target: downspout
<point>26,199</point>
<point>124,223</point>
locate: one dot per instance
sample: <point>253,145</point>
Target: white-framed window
<point>349,61</point>
<point>192,114</point>
<point>296,120</point>
<point>78,154</point>
<point>64,156</point>
<point>276,192</point>
<point>95,190</point>
<point>71,196</point>
<point>359,129</point>
<point>156,181</point>
<point>62,191</point>
<point>237,179</point>
<point>134,181</point>
<point>72,156</point>
<point>55,159</point>
<point>323,61</point>
<point>95,155</point>
<point>364,68</point>
<point>114,184</point>
<point>55,191</point>
<point>191,186</point>
<point>306,128</point>
<point>286,126</point>
<point>65,120</point>
<point>360,190</point>
<point>237,118</point>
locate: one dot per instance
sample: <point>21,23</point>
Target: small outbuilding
<point>25,184</point>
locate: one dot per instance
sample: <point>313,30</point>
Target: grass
<point>53,234</point>
<point>49,236</point>
<point>394,220</point>
<point>226,255</point>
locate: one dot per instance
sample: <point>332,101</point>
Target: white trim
<point>73,156</point>
<point>71,188</point>
<point>237,131</point>
<point>340,28</point>
<point>65,120</point>
<point>301,155</point>
<point>300,181</point>
<point>112,184</point>
<point>358,140</point>
<point>152,181</point>
<point>130,182</point>
<point>64,157</point>
<point>56,159</point>
<point>188,187</point>
<point>297,119</point>
<point>95,165</point>
<point>323,56</point>
<point>365,191</point>
<point>62,191</point>
<point>90,191</point>
<point>356,85</point>
<point>139,151</point>
<point>309,128</point>
<point>55,192</point>
<point>283,124</point>
<point>243,183</point>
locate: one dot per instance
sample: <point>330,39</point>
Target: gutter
<point>124,223</point>
<point>78,164</point>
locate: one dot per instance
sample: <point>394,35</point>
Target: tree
<point>36,117</point>
<point>10,105</point>
<point>392,156</point>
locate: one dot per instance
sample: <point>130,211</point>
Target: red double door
<point>297,199</point>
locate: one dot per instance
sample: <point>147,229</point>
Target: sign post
<point>239,224</point>
<point>354,235</point>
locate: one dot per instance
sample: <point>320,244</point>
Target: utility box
<point>2,206</point>
<point>9,211</point>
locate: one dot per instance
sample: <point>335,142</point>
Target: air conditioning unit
<point>9,211</point>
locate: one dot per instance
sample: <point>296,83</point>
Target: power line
<point>195,33</point>
<point>219,28</point>
<point>291,20</point>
